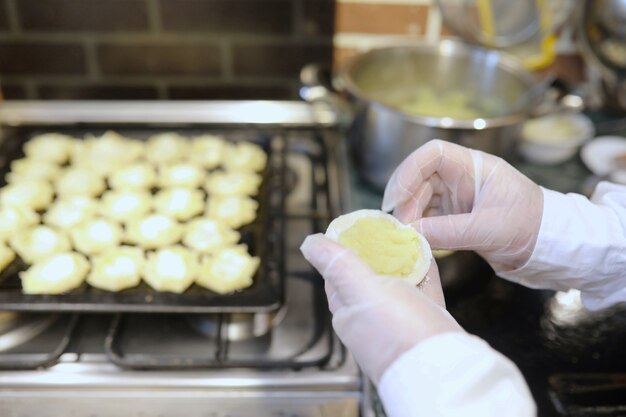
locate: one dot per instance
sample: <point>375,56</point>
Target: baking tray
<point>264,237</point>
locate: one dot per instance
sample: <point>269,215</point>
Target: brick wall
<point>160,49</point>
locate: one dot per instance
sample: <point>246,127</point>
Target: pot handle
<point>560,98</point>
<point>318,90</point>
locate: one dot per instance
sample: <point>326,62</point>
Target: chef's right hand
<point>460,198</point>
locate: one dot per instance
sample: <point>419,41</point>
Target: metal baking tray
<point>264,237</point>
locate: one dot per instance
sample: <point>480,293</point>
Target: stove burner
<point>16,329</point>
<point>237,326</point>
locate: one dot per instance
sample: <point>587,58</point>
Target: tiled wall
<point>149,49</point>
<point>196,49</point>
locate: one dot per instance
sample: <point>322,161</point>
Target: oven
<point>90,358</point>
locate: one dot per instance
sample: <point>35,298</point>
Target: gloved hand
<point>460,198</point>
<point>378,318</point>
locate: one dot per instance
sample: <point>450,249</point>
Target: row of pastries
<point>113,211</point>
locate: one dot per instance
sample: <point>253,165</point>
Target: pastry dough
<point>124,206</point>
<point>171,269</point>
<point>154,231</point>
<point>181,175</point>
<point>234,211</point>
<point>14,219</point>
<point>56,274</point>
<point>245,156</point>
<point>107,153</point>
<point>231,269</point>
<point>117,269</point>
<point>137,176</point>
<point>207,151</point>
<point>95,236</point>
<point>207,236</point>
<point>68,212</point>
<point>39,242</point>
<point>80,181</point>
<point>52,147</point>
<point>32,169</point>
<point>233,183</point>
<point>179,203</point>
<point>166,148</point>
<point>34,194</point>
<point>6,256</point>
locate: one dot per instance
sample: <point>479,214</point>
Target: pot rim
<point>447,47</point>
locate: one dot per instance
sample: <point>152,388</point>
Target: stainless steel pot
<point>501,91</point>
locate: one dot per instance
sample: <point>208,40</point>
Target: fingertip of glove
<point>309,244</point>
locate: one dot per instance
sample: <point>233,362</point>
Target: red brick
<point>41,58</point>
<point>278,60</point>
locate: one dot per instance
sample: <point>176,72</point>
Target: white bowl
<point>555,138</point>
<point>599,155</point>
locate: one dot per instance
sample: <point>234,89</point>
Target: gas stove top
<point>284,362</point>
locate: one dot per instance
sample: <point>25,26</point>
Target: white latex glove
<point>378,318</point>
<point>460,198</point>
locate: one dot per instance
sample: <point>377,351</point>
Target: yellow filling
<point>386,248</point>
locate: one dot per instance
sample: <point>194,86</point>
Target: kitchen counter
<point>566,353</point>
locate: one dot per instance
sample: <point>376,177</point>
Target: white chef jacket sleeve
<point>581,245</point>
<point>454,374</point>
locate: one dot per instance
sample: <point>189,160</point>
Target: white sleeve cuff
<point>454,374</point>
<point>581,245</point>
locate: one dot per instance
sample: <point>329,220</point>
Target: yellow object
<point>117,269</point>
<point>387,249</point>
<point>6,256</point>
<point>171,269</point>
<point>383,243</point>
<point>56,274</point>
<point>231,269</point>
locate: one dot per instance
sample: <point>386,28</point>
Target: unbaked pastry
<point>171,269</point>
<point>124,206</point>
<point>245,156</point>
<point>233,183</point>
<point>34,194</point>
<point>231,269</point>
<point>96,236</point>
<point>107,153</point>
<point>6,256</point>
<point>166,148</point>
<point>207,151</point>
<point>39,242</point>
<point>208,236</point>
<point>181,175</point>
<point>32,169</point>
<point>154,231</point>
<point>179,203</point>
<point>56,274</point>
<point>117,269</point>
<point>80,181</point>
<point>70,211</point>
<point>138,176</point>
<point>14,219</point>
<point>235,211</point>
<point>52,147</point>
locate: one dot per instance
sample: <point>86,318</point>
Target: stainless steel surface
<point>382,135</point>
<point>24,328</point>
<point>86,382</point>
<point>165,112</point>
<point>602,42</point>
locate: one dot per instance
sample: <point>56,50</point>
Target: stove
<point>285,362</point>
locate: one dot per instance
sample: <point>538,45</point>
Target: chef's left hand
<point>377,317</point>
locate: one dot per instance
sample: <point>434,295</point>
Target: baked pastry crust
<point>234,211</point>
<point>80,181</point>
<point>171,269</point>
<point>209,236</point>
<point>34,194</point>
<point>124,206</point>
<point>229,270</point>
<point>14,219</point>
<point>154,231</point>
<point>56,274</point>
<point>70,211</point>
<point>117,269</point>
<point>179,203</point>
<point>245,156</point>
<point>52,147</point>
<point>96,236</point>
<point>137,176</point>
<point>233,183</point>
<point>181,174</point>
<point>39,242</point>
